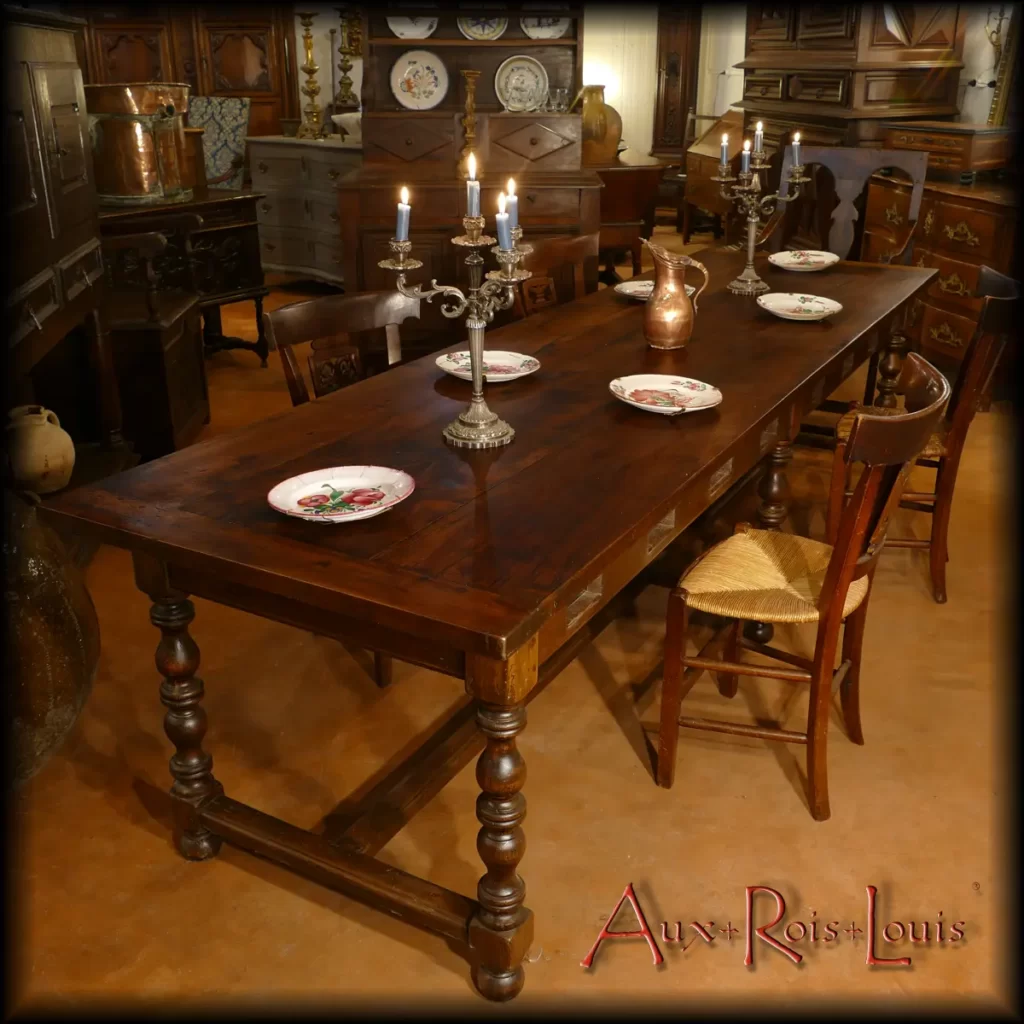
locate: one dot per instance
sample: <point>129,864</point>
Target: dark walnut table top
<point>492,544</point>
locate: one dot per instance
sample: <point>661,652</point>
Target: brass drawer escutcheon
<point>892,215</point>
<point>961,233</point>
<point>929,222</point>
<point>945,335</point>
<point>952,285</point>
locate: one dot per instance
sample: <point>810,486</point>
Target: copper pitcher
<point>669,313</point>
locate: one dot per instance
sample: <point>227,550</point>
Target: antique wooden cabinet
<point>835,72</point>
<point>678,52</point>
<point>298,214</point>
<point>218,50</point>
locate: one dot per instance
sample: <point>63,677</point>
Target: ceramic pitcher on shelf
<point>669,313</point>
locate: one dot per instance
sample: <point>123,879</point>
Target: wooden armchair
<point>334,363</point>
<point>555,262</point>
<point>945,446</point>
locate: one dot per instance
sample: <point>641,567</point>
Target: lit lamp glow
<point>725,150</point>
<point>796,148</point>
<point>472,189</point>
<point>402,225</point>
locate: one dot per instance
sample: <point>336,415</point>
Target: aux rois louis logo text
<point>784,937</point>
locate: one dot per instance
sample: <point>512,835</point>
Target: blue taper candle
<point>501,223</point>
<point>402,225</point>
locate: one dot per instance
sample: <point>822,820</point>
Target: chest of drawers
<point>299,224</point>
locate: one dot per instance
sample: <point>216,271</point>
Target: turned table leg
<point>177,659</point>
<point>501,931</point>
<point>890,363</point>
<point>773,490</point>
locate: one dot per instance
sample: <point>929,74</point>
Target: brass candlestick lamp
<point>349,47</point>
<point>312,126</point>
<point>468,118</point>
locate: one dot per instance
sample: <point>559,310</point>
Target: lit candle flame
<point>472,166</point>
<point>511,187</point>
<point>746,145</point>
<point>796,136</point>
<point>760,126</point>
<point>725,140</point>
<point>501,202</point>
<point>405,196</point>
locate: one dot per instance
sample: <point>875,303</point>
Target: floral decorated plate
<point>642,290</point>
<point>341,493</point>
<point>419,80</point>
<point>521,83</point>
<point>794,306</point>
<point>498,366</point>
<point>545,28</point>
<point>482,28</point>
<point>804,260</point>
<point>670,396</point>
<point>413,28</point>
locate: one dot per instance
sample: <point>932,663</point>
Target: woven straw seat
<point>765,576</point>
<point>934,449</point>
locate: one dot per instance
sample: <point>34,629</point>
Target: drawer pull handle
<point>945,335</point>
<point>32,316</point>
<point>333,174</point>
<point>531,198</point>
<point>84,276</point>
<point>269,246</point>
<point>903,138</point>
<point>892,215</point>
<point>261,166</point>
<point>335,217</point>
<point>929,222</point>
<point>583,602</point>
<point>763,89</point>
<point>337,261</point>
<point>534,142</point>
<point>266,207</point>
<point>952,285</point>
<point>819,93</point>
<point>961,233</point>
<point>408,142</point>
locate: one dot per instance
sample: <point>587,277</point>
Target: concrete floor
<point>108,913</point>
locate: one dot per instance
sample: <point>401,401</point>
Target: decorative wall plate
<point>498,366</point>
<point>521,83</point>
<point>419,80</point>
<point>804,260</point>
<point>642,290</point>
<point>482,29</point>
<point>341,493</point>
<point>545,28</point>
<point>657,392</point>
<point>794,306</point>
<point>413,28</point>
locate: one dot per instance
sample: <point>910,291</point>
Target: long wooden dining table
<point>498,567</point>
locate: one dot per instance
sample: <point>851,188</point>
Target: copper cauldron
<point>138,142</point>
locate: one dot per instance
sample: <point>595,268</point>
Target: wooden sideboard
<point>298,214</point>
<point>960,228</point>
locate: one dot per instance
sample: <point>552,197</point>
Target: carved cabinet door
<point>678,45</point>
<point>250,56</point>
<point>130,52</point>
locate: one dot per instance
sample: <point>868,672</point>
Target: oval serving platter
<point>794,306</point>
<point>668,395</point>
<point>341,494</point>
<point>498,366</point>
<point>803,260</point>
<point>419,80</point>
<point>642,290</point>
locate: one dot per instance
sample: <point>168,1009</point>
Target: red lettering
<point>872,960</point>
<point>795,938</point>
<point>956,931</point>
<point>890,938</point>
<point>762,932</point>
<point>814,927</point>
<point>938,925</point>
<point>644,932</point>
<point>830,931</point>
<point>665,937</point>
<point>703,932</point>
<point>924,932</point>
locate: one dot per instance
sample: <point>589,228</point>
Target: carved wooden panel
<point>678,45</point>
<point>830,25</point>
<point>903,32</point>
<point>532,141</point>
<point>127,53</point>
<point>408,139</point>
<point>771,27</point>
<point>240,60</point>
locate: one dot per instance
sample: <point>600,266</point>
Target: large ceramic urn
<point>601,128</point>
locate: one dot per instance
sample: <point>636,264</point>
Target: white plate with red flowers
<point>803,260</point>
<point>341,494</point>
<point>643,290</point>
<point>498,366</point>
<point>794,306</point>
<point>669,395</point>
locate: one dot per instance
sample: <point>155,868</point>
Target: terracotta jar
<point>42,455</point>
<point>53,637</point>
<point>669,313</point>
<point>602,128</point>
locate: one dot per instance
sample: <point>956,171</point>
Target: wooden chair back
<point>991,337</point>
<point>851,169</point>
<point>887,447</point>
<point>333,362</point>
<point>550,261</point>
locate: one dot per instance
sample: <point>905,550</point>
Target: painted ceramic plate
<point>419,80</point>
<point>656,392</point>
<point>545,28</point>
<point>498,366</point>
<point>341,493</point>
<point>804,260</point>
<point>794,306</point>
<point>482,28</point>
<point>413,28</point>
<point>642,290</point>
<point>521,83</point>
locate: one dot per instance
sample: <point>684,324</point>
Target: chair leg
<point>836,492</point>
<point>938,551</point>
<point>817,735</point>
<point>728,682</point>
<point>676,628</point>
<point>382,666</point>
<point>849,690</point>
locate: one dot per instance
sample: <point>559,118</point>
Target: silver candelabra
<point>477,426</point>
<point>747,195</point>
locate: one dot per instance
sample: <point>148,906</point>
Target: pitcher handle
<point>51,417</point>
<point>707,281</point>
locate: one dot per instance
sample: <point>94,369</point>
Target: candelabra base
<point>747,285</point>
<point>478,428</point>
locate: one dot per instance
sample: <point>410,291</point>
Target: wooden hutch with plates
<point>421,141</point>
